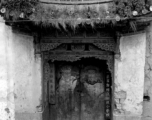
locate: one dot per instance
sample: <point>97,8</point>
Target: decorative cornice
<point>59,13</point>
<point>80,2</point>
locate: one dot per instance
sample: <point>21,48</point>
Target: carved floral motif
<point>49,46</point>
<point>106,46</point>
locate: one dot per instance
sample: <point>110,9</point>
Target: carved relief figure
<point>81,95</point>
<point>66,102</point>
<point>93,94</point>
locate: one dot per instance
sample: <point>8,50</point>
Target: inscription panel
<point>52,84</point>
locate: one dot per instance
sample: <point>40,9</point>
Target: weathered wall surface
<point>7,105</point>
<point>27,78</point>
<point>129,78</point>
<point>147,105</point>
<point>20,77</point>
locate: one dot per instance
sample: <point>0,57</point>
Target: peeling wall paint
<point>129,77</point>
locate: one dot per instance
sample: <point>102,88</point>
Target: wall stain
<point>15,96</point>
<point>7,110</point>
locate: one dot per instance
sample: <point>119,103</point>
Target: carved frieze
<point>78,47</point>
<point>49,46</point>
<point>104,43</point>
<point>106,46</point>
<point>76,57</point>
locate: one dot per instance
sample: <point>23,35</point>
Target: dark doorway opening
<point>82,90</point>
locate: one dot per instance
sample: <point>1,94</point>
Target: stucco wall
<point>147,105</point>
<point>129,77</point>
<point>7,105</point>
<point>27,77</point>
<point>20,77</point>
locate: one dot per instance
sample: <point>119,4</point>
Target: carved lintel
<point>72,58</point>
<point>78,40</point>
<point>102,46</point>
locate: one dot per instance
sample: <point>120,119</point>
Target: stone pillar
<point>129,78</point>
<point>7,106</point>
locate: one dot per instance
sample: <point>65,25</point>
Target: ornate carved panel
<point>108,97</point>
<point>74,56</point>
<point>60,52</point>
<point>52,84</point>
<point>106,46</point>
<point>46,73</point>
<point>49,82</point>
<point>103,43</point>
<point>49,46</point>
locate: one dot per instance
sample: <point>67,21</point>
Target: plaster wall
<point>7,106</point>
<point>27,78</point>
<point>20,77</point>
<point>129,77</point>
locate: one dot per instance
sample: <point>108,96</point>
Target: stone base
<point>127,117</point>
